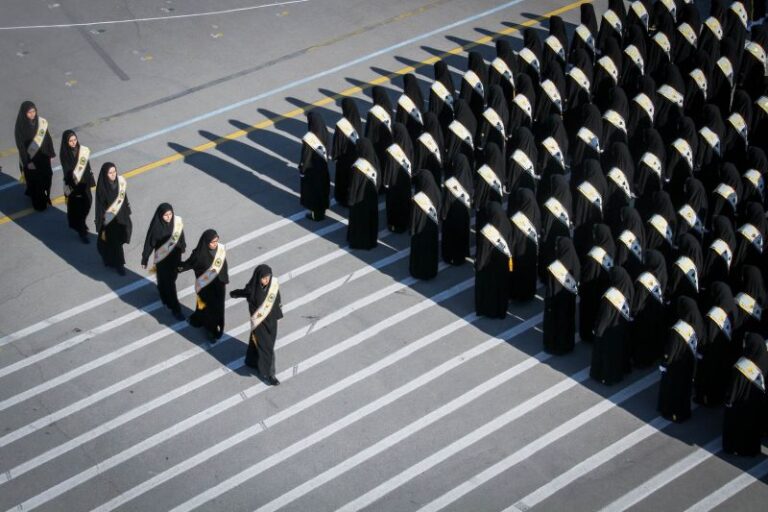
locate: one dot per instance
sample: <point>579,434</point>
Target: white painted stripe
<point>198,418</point>
<point>294,84</point>
<point>731,489</point>
<point>665,477</point>
<point>304,299</point>
<point>334,427</point>
<point>530,449</point>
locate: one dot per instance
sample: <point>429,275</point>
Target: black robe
<point>456,212</point>
<point>442,108</point>
<point>629,234</point>
<point>38,180</point>
<point>494,132</point>
<point>493,267</point>
<point>79,198</point>
<point>425,157</point>
<point>412,118</point>
<point>525,244</point>
<point>649,308</point>
<point>615,117</point>
<point>586,138</point>
<point>475,95</point>
<point>692,211</point>
<point>522,161</point>
<point>717,347</point>
<point>596,262</point>
<point>718,259</point>
<point>620,172</point>
<point>158,233</point>
<point>684,281</point>
<point>114,235</point>
<point>553,226</point>
<point>344,151</point>
<point>559,327</point>
<point>610,354</point>
<point>424,228</point>
<point>661,224</point>
<point>749,250</point>
<point>456,141</point>
<point>752,287</point>
<point>521,108</point>
<point>313,168</point>
<point>651,158</point>
<point>397,181</point>
<point>363,228</point>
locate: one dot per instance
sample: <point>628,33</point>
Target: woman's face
<point>214,244</point>
<point>167,216</point>
<point>265,280</point>
<point>72,141</point>
<point>112,173</point>
<point>32,114</point>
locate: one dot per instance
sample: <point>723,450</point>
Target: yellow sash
<point>524,224</point>
<point>523,161</point>
<point>604,259</point>
<point>590,192</point>
<point>739,124</point>
<point>458,191</point>
<point>641,12</point>
<point>634,54</point>
<point>685,264</point>
<point>671,94</point>
<point>723,250</point>
<point>751,233</point>
<point>653,286</point>
<point>409,106</point>
<point>503,69</point>
<point>365,167</point>
<point>714,25</point>
<point>82,162</point>
<point>525,105</point>
<point>528,56</point>
<point>556,208</point>
<point>493,118</point>
<point>687,31</point>
<point>37,141</point>
<point>741,12</point>
<point>613,20</point>
<point>691,218</point>
<point>553,148</point>
<point>492,234</point>
<point>661,225</point>
<point>589,138</point>
<point>489,176</point>
<point>439,89</point>
<point>397,153</point>
<point>720,317</point>
<point>685,151</point>
<point>586,35</point>
<point>607,64</point>
<point>429,143</point>
<point>114,208</point>
<point>752,372</point>
<point>728,193</point>
<point>711,137</point>
<point>762,102</point>
<point>382,115</point>
<point>629,239</point>
<point>726,67</point>
<point>474,81</point>
<point>167,248</point>
<point>646,104</point>
<point>619,178</point>
<point>209,275</point>
<point>663,41</point>
<point>347,129</point>
<point>618,301</point>
<point>653,162</point>
<point>616,120</point>
<point>551,90</point>
<point>556,46</point>
<point>756,179</point>
<point>313,142</point>
<point>701,80</point>
<point>425,203</point>
<point>265,309</point>
<point>686,332</point>
<point>581,79</point>
<point>461,132</point>
<point>749,305</point>
<point>558,270</point>
<point>757,52</point>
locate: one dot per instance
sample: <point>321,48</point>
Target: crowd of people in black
<point>623,169</point>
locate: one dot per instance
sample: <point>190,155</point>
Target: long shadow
<point>329,114</point>
<point>296,126</point>
<point>422,71</point>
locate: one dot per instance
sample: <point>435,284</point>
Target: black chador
<point>78,180</point>
<point>531,56</point>
<point>737,126</point>
<point>615,117</point>
<point>521,108</point>
<point>754,178</point>
<point>362,232</point>
<point>556,214</point>
<point>726,195</point>
<point>642,110</point>
<point>745,398</point>
<point>629,234</point>
<point>585,36</point>
<point>474,84</point>
<point>522,161</point>
<point>425,226</point>
<point>669,103</point>
<point>493,263</point>
<point>620,173</point>
<point>751,243</point>
<point>526,228</point>
<point>661,224</point>
<point>681,156</point>
<point>608,69</point>
<point>494,124</point>
<point>679,361</point>
<point>718,259</point>
<point>587,205</point>
<point>719,350</point>
<point>397,170</point>
<point>265,307</point>
<point>752,71</point>
<point>378,124</point>
<point>442,95</point>
<point>552,91</point>
<point>410,106</point>
<point>596,262</point>
<point>721,85</point>
<point>751,299</point>
<point>489,181</point>
<point>313,168</point>
<point>586,136</point>
<point>113,217</point>
<point>429,148</point>
<point>553,139</point>
<point>561,286</point>
<point>685,271</point>
<point>165,237</point>
<point>348,130</point>
<point>556,43</point>
<point>651,162</point>
<point>636,52</point>
<point>610,354</point>
<point>209,263</point>
<point>650,309</point>
<point>578,87</point>
<point>35,146</point>
<point>710,148</point>
<point>503,69</point>
<point>612,24</point>
<point>692,210</point>
<point>460,136</point>
<point>456,211</point>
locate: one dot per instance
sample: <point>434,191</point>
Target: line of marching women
<point>624,167</point>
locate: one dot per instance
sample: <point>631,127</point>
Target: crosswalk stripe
<point>731,489</point>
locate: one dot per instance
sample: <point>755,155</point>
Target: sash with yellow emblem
<point>265,309</point>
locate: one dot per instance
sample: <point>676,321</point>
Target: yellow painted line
<point>351,91</point>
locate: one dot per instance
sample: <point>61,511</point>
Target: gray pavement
<point>394,396</point>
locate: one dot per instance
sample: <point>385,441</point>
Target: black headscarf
<point>159,231</point>
<point>495,216</point>
<point>24,131</point>
<point>350,111</point>
<point>493,158</point>
<point>517,115</point>
<point>255,292</point>
<point>618,104</point>
<point>106,193</point>
<point>412,90</point>
<point>381,98</point>
<point>202,257</point>
<point>358,181</point>
<point>460,169</point>
<point>524,141</point>
<point>523,200</point>
<point>391,168</point>
<point>316,125</point>
<point>505,53</point>
<point>591,119</point>
<point>532,43</point>
<point>424,181</point>
<point>68,155</point>
<point>578,93</point>
<point>720,295</point>
<point>585,212</point>
<point>641,118</point>
<point>756,161</point>
<point>686,309</point>
<point>648,178</point>
<point>629,220</point>
<point>634,49</point>
<point>608,316</point>
<point>654,262</point>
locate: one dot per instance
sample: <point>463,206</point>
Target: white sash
<point>590,192</point>
<point>700,79</point>
<point>723,250</point>
<point>616,120</point>
<point>528,56</point>
<point>691,218</point>
<point>671,94</point>
<point>619,178</point>
<point>493,118</point>
<point>474,81</point>
<point>720,317</point>
<point>167,248</point>
<point>425,203</point>
<point>581,79</point>
<point>461,132</point>
<point>524,224</point>
<point>556,46</point>
<point>634,54</point>
<point>613,20</point>
<point>629,239</point>
<point>397,153</point>
<point>685,264</point>
<point>713,24</point>
<point>559,212</point>
<point>37,141</point>
<point>524,103</point>
<point>586,35</point>
<point>503,69</point>
<point>557,269</point>
<point>114,208</point>
<point>663,41</point>
<point>754,177</point>
<point>409,106</point>
<point>661,225</point>
<point>604,259</point>
<point>554,95</point>
<point>265,309</point>
<point>653,286</point>
<point>553,148</point>
<point>314,142</point>
<point>685,151</point>
<point>688,33</point>
<point>749,305</point>
<point>523,161</point>
<point>727,68</point>
<point>762,102</point>
<point>492,234</point>
<point>712,139</point>
<point>653,162</point>
<point>752,372</point>
<point>382,115</point>
<point>754,237</point>
<point>491,179</point>
<point>439,89</point>
<point>671,7</point>
<point>347,129</point>
<point>728,193</point>
<point>646,104</point>
<point>82,162</point>
<point>459,192</point>
<point>618,301</point>
<point>641,12</point>
<point>685,330</point>
<point>209,275</point>
<point>589,138</point>
<point>365,167</point>
<point>739,124</point>
<point>429,142</point>
<point>607,64</point>
<point>741,12</point>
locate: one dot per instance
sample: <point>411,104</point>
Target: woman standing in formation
<point>397,170</point>
<point>363,228</point>
<point>348,130</point>
<point>561,283</point>
<point>265,306</point>
<point>610,354</point>
<point>493,263</point>
<point>78,180</point>
<point>165,237</point>
<point>113,217</point>
<point>209,262</point>
<point>33,140</point>
<point>424,227</point>
<point>456,211</point>
<point>313,168</point>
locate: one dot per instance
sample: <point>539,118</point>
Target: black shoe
<point>272,381</point>
<point>121,270</point>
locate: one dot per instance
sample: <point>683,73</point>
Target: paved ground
<point>394,396</point>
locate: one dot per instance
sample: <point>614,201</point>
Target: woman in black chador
<point>596,262</point>
<point>424,226</point>
<point>460,135</point>
<point>113,217</point>
<point>610,354</point>
<point>410,106</point>
<point>561,285</point>
<point>493,263</point>
<point>313,168</point>
<point>429,148</point>
<point>718,349</point>
<point>456,211</point>
<point>35,145</point>
<point>397,169</point>
<point>679,360</point>
<point>526,226</point>
<point>165,237</point>
<point>629,234</point>
<point>348,130</point>
<point>441,95</point>
<point>78,180</point>
<point>363,227</point>
<point>745,398</point>
<point>209,262</point>
<point>265,307</point>
<point>650,310</point>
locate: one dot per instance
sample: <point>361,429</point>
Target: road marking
<point>731,489</point>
